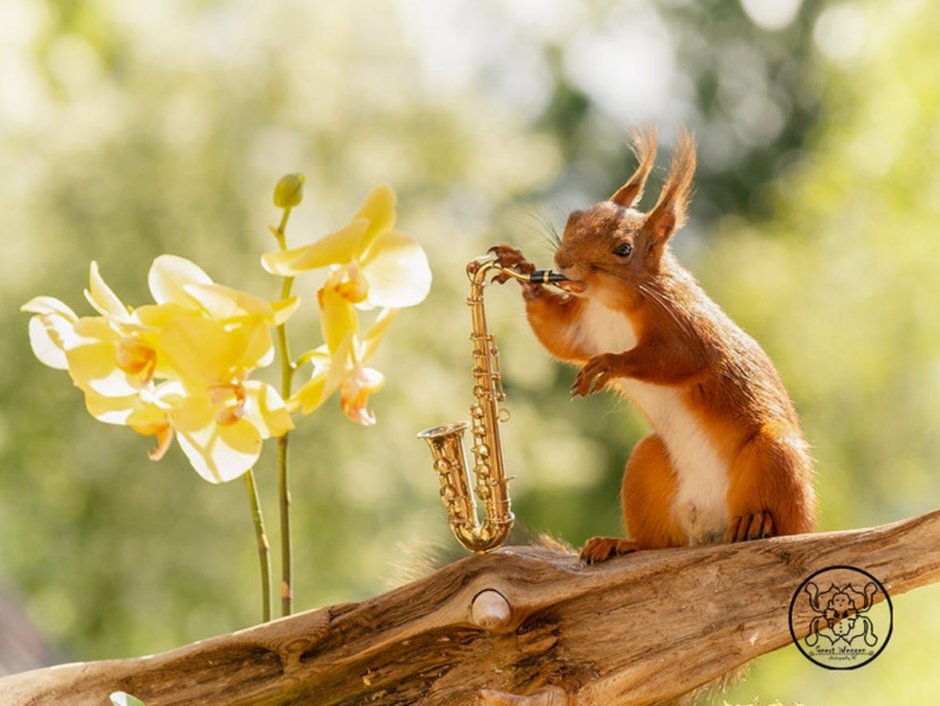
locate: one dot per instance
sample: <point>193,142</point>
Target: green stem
<point>287,590</point>
<point>287,376</point>
<point>264,555</point>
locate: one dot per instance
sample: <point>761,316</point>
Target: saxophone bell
<point>446,444</point>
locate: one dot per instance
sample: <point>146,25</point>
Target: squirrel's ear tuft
<point>669,213</point>
<point>644,147</point>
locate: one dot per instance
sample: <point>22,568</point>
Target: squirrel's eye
<point>623,250</point>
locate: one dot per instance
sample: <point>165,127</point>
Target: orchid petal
<point>202,351</point>
<point>216,452</point>
<point>341,365</point>
<point>110,410</point>
<point>259,347</point>
<point>51,331</point>
<point>93,368</point>
<point>379,210</point>
<point>397,270</point>
<point>221,453</point>
<point>47,337</point>
<point>359,414</point>
<point>189,411</point>
<point>225,303</point>
<point>330,369</point>
<point>167,277</point>
<point>311,394</point>
<point>130,410</point>
<point>145,418</point>
<point>156,316</point>
<point>284,309</point>
<point>266,410</point>
<point>338,319</point>
<point>147,415</point>
<point>339,247</point>
<point>164,436</point>
<point>49,305</point>
<point>103,298</point>
<point>376,333</point>
<point>355,392</point>
<point>319,357</point>
<point>91,329</point>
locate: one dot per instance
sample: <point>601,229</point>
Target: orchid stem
<point>264,554</point>
<point>287,595</point>
<point>287,376</point>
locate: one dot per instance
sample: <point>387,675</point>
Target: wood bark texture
<point>641,629</point>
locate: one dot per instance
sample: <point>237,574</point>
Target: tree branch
<point>542,630</point>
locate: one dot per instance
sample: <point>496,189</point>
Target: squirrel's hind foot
<point>598,549</point>
<point>757,525</point>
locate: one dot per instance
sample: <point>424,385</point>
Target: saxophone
<point>446,441</point>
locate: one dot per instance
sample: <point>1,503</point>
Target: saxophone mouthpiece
<point>556,278</point>
<point>547,277</point>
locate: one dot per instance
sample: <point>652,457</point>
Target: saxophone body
<point>490,483</point>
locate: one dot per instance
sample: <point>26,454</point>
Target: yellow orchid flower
<point>203,338</point>
<point>371,265</point>
<point>221,429</point>
<point>340,364</point>
<point>220,418</point>
<point>119,351</point>
<point>111,354</point>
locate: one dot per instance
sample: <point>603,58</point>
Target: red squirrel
<point>726,459</point>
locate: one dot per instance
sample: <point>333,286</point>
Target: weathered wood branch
<point>516,623</point>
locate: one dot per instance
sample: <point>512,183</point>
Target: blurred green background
<point>130,129</point>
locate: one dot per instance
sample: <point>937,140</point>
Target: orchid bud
<point>289,191</point>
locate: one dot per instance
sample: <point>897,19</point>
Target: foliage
<point>130,131</point>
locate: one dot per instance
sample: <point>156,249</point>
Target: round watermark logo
<point>841,617</point>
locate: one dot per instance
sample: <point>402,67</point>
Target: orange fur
<point>646,496</point>
<point>703,383</point>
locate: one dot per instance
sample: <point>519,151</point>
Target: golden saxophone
<point>446,441</point>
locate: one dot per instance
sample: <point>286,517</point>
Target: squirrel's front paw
<point>508,256</point>
<point>595,374</point>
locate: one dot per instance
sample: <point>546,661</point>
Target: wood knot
<point>491,611</point>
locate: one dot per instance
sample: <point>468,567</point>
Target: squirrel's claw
<point>512,258</point>
<point>594,375</point>
<point>758,525</point>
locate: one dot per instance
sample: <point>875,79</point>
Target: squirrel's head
<point>611,248</point>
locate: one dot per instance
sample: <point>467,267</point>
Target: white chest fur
<point>604,330</point>
<point>701,501</point>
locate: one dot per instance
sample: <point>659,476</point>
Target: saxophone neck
<point>479,268</point>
